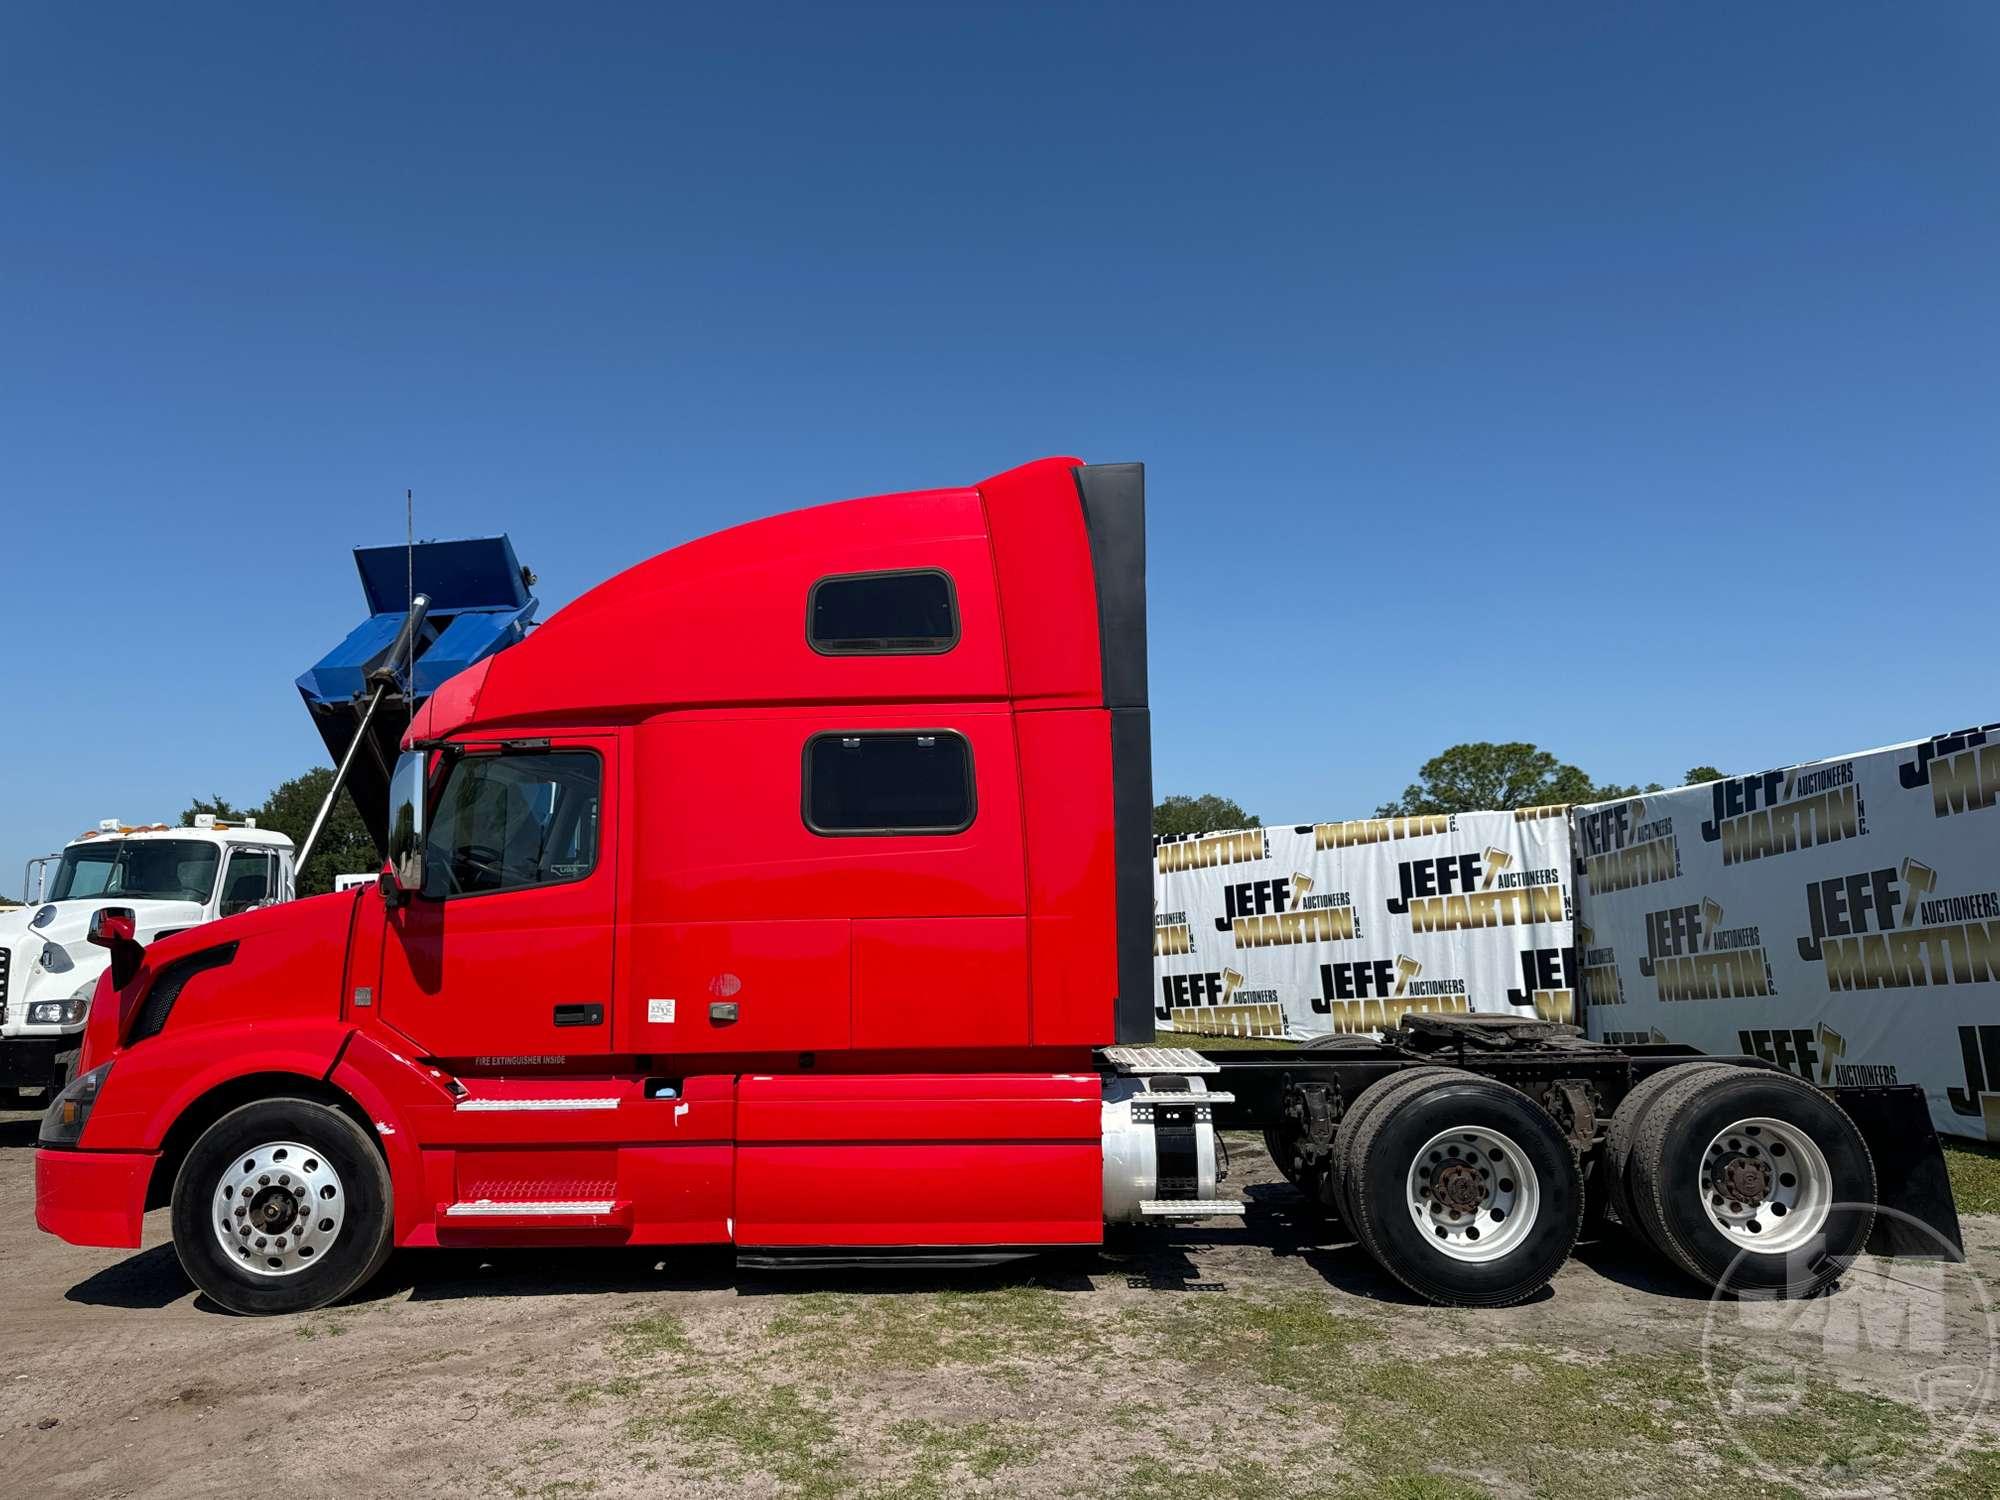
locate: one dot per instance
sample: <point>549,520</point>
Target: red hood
<point>289,961</point>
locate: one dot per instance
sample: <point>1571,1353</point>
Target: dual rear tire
<point>1460,1187</point>
<point>1751,1181</point>
<point>1468,1193</point>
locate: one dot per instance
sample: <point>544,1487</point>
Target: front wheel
<point>281,1206</point>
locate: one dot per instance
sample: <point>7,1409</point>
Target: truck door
<point>507,950</point>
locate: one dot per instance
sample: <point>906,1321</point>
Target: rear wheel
<point>1616,1169</point>
<point>1353,1124</point>
<point>1753,1181</point>
<point>1464,1190</point>
<point>281,1206</point>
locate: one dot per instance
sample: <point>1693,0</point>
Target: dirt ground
<point>1219,1358</point>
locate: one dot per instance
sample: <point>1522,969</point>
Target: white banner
<point>1840,918</point>
<point>1293,932</point>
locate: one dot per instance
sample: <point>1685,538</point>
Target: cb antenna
<point>410,599</point>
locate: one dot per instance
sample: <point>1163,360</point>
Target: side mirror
<point>110,925</point>
<point>117,928</point>
<point>403,872</point>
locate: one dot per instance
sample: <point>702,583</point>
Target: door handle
<point>579,1015</point>
<point>722,1012</point>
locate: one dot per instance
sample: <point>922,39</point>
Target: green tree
<point>1696,775</point>
<point>1487,777</point>
<point>1179,815</point>
<point>344,846</point>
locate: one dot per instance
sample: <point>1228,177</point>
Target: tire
<point>1335,1041</point>
<point>1464,1190</point>
<point>1616,1163</point>
<point>266,1161</point>
<point>1354,1122</point>
<point>1737,1130</point>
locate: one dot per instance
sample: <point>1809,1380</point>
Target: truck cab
<point>171,879</point>
<point>776,891</point>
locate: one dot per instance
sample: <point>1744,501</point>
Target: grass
<point>1202,1043</point>
<point>928,1330</point>
<point>653,1333</point>
<point>1975,1176</point>
<point>1285,1395</point>
<point>1289,1343</point>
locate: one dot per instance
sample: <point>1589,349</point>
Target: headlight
<point>56,959</point>
<point>70,1112</point>
<point>59,1012</point>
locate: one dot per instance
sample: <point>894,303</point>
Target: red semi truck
<point>793,890</point>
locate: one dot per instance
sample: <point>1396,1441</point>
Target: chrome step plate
<point>488,1209</point>
<point>486,1104</point>
<point>1138,1060</point>
<point>1189,1208</point>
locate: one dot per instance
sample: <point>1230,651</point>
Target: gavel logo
<point>1407,968</point>
<point>1711,919</point>
<point>1496,861</point>
<point>1921,880</point>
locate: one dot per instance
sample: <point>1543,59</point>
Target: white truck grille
<point>6,962</point>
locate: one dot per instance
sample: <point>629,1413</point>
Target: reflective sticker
<point>364,995</point>
<point>659,1012</point>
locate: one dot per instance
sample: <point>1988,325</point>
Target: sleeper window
<point>883,614</point>
<point>888,783</point>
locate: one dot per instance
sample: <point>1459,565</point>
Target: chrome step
<point>1138,1060</point>
<point>1149,1097</point>
<point>485,1105</point>
<point>1189,1208</point>
<point>486,1208</point>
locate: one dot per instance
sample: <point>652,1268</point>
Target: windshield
<point>144,869</point>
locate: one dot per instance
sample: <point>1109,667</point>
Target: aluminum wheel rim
<point>278,1208</point>
<point>1765,1186</point>
<point>1473,1194</point>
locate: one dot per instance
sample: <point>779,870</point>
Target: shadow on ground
<point>1277,1224</point>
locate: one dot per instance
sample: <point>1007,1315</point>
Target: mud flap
<point>1910,1174</point>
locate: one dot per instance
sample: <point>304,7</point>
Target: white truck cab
<point>171,878</point>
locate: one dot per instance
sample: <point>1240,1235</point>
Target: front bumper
<point>37,1062</point>
<point>93,1197</point>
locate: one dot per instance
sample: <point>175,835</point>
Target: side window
<point>251,881</point>
<point>507,822</point>
<point>888,783</point>
<point>883,614</point>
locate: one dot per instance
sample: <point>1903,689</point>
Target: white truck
<point>172,878</point>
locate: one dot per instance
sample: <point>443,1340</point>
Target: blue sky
<point>1617,378</point>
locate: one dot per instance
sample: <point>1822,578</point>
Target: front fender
<point>153,1084</point>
